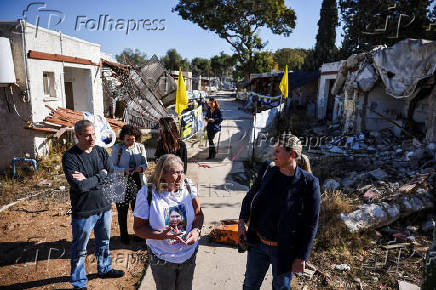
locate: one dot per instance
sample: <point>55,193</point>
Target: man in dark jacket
<point>86,166</point>
<point>282,208</point>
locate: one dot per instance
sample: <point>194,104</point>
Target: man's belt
<point>266,242</point>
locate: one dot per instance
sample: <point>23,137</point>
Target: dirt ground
<point>35,247</point>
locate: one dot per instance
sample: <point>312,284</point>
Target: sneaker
<point>112,274</point>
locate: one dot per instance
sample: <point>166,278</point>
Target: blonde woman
<point>172,249</point>
<point>283,209</point>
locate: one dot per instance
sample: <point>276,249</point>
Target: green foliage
<point>325,47</point>
<point>370,23</point>
<point>201,66</point>
<point>222,64</point>
<point>293,57</point>
<point>133,56</point>
<point>173,60</point>
<point>263,61</point>
<point>238,22</point>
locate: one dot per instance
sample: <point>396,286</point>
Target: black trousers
<point>123,210</point>
<point>212,150</point>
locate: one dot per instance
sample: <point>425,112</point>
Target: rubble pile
<point>391,177</point>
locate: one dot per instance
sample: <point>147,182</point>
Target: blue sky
<point>189,39</point>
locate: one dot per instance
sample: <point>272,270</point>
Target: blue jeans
<point>259,258</point>
<point>82,227</point>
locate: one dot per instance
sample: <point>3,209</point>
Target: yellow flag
<point>181,99</point>
<point>284,84</point>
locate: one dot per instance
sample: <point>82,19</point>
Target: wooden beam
<point>59,57</point>
<point>46,130</point>
<point>60,132</point>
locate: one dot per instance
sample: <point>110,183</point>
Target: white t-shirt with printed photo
<point>168,209</point>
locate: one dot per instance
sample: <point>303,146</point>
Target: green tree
<point>238,22</point>
<point>172,60</point>
<point>133,56</point>
<point>263,61</point>
<point>370,23</point>
<point>201,66</point>
<point>293,57</point>
<point>325,47</point>
<point>222,64</point>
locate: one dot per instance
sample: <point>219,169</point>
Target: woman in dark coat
<point>170,142</point>
<point>213,119</point>
<point>282,208</point>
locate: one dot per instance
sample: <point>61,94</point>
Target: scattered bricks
<point>407,188</point>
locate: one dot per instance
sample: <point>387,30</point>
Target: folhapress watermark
<point>107,23</point>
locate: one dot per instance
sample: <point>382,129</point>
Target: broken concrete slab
<point>380,214</point>
<point>371,216</point>
<point>403,285</point>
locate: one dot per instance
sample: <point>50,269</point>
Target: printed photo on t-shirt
<point>175,217</point>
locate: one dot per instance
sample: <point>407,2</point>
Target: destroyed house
<point>40,68</point>
<point>388,88</point>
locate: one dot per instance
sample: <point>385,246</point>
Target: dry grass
<point>333,235</point>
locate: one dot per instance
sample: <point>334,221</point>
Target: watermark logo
<point>51,17</point>
<point>107,23</point>
<point>392,17</point>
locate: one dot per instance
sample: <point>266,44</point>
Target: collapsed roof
<point>399,67</point>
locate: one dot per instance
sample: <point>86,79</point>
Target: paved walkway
<point>220,266</point>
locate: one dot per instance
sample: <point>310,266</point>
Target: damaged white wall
<point>328,72</point>
<point>379,86</point>
<point>46,80</point>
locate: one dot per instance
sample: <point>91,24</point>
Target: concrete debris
<point>342,267</point>
<point>403,285</point>
<point>370,216</point>
<point>375,215</point>
<point>378,174</point>
<point>331,185</point>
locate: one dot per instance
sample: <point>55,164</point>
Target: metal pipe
<point>23,40</point>
<point>23,159</point>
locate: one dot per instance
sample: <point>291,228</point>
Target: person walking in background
<point>213,119</point>
<point>129,159</point>
<point>170,141</point>
<point>86,167</point>
<point>283,209</point>
<point>169,216</point>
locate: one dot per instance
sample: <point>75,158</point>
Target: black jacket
<point>217,116</point>
<point>299,214</point>
<point>86,196</point>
